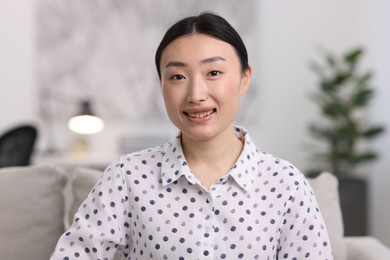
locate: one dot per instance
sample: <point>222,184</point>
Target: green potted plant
<point>343,96</point>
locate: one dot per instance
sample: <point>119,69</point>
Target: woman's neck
<point>211,159</point>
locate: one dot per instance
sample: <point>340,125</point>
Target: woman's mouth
<point>202,114</point>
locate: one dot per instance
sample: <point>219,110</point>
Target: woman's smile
<point>199,113</point>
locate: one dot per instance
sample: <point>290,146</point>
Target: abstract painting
<point>103,51</point>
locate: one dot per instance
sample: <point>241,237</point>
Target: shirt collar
<point>174,164</point>
<point>245,169</point>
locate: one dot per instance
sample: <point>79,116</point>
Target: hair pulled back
<point>205,23</point>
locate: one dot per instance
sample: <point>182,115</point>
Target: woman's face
<point>202,82</point>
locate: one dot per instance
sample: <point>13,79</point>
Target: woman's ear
<point>245,81</point>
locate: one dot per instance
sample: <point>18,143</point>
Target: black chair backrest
<point>16,146</point>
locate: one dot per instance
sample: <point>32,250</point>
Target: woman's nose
<point>197,91</point>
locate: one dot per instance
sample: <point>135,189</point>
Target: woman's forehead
<point>199,46</point>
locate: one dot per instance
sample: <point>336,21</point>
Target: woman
<point>209,193</point>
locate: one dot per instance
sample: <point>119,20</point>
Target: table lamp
<point>85,122</point>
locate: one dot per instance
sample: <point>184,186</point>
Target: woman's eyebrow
<point>175,64</point>
<point>212,59</point>
<point>182,64</point>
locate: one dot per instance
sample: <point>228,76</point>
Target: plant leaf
<point>340,78</point>
<point>362,97</point>
<point>373,131</point>
<point>353,56</point>
<point>328,86</point>
<point>334,109</point>
<point>364,157</point>
<point>363,79</point>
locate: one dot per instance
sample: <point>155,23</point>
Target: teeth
<point>200,115</point>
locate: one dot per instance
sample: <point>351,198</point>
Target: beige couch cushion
<point>366,248</point>
<point>32,208</point>
<point>325,187</point>
<point>83,181</point>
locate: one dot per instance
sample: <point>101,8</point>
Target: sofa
<point>38,202</point>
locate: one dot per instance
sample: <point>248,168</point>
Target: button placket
<point>208,235</point>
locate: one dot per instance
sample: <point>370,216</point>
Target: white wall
<point>289,34</point>
<point>17,34</point>
<point>380,177</point>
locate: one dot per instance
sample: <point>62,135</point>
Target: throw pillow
<point>32,209</point>
<point>325,188</point>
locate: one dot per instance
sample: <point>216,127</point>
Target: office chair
<point>16,146</point>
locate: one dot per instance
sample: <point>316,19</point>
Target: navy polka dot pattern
<point>149,205</point>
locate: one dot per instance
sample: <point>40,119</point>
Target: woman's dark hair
<point>205,23</point>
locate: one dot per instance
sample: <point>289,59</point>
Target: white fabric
<point>32,209</point>
<point>325,187</point>
<point>150,204</point>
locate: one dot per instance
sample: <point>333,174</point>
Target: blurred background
<point>54,56</point>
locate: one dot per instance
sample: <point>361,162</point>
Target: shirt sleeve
<point>303,232</point>
<point>99,227</point>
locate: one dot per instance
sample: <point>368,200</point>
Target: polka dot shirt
<point>149,205</point>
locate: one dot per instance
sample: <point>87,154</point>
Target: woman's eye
<point>177,77</point>
<point>214,73</point>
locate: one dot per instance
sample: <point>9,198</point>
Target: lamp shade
<point>86,122</point>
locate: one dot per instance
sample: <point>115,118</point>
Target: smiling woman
<point>211,194</point>
<point>202,89</point>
